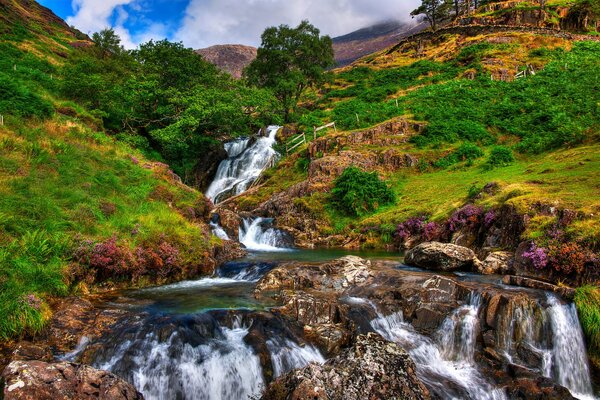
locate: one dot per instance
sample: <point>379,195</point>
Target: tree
<point>435,11</point>
<point>289,61</point>
<point>108,43</point>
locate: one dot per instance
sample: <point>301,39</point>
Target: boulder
<point>373,369</point>
<point>442,257</point>
<point>497,263</point>
<point>39,380</point>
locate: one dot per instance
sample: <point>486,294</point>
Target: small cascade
<point>258,235</point>
<point>287,355</point>
<point>218,231</point>
<point>458,334</point>
<point>247,159</point>
<point>244,271</point>
<point>222,368</point>
<point>569,356</point>
<point>446,364</point>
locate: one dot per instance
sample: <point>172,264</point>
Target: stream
<point>211,338</point>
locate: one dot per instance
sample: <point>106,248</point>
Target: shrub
<point>500,156</point>
<point>468,216</point>
<point>537,256</point>
<point>16,99</point>
<point>357,192</point>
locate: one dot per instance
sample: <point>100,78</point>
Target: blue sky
<point>202,23</point>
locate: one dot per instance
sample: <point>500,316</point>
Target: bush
<point>16,99</point>
<point>500,156</point>
<point>357,192</point>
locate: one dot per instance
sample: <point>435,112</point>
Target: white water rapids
<point>445,363</point>
<point>247,159</point>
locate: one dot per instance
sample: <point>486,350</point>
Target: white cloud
<point>95,15</point>
<point>209,22</point>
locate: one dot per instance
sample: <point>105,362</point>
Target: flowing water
<point>247,159</point>
<point>259,235</point>
<point>445,363</point>
<point>211,339</point>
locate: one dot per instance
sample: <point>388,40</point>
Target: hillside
<point>477,152</point>
<point>231,58</point>
<point>362,42</point>
<point>78,210</point>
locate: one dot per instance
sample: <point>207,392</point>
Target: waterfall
<point>246,161</point>
<point>218,231</point>
<point>569,356</point>
<point>258,235</point>
<point>199,358</point>
<point>287,355</point>
<point>445,365</point>
<point>222,368</point>
<point>244,271</point>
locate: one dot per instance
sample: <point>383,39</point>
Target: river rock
<point>441,257</point>
<point>497,263</point>
<point>25,380</point>
<point>566,293</point>
<point>372,369</point>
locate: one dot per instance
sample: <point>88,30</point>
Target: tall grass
<point>587,299</point>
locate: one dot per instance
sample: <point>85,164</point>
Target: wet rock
<point>228,250</point>
<point>497,263</point>
<point>566,293</point>
<point>372,369</point>
<point>57,381</point>
<point>336,275</point>
<point>229,221</point>
<point>206,166</point>
<point>25,351</point>
<point>442,257</point>
<point>537,389</point>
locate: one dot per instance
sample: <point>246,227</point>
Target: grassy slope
<point>63,181</point>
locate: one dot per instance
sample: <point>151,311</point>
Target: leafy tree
<point>357,192</point>
<point>435,11</point>
<point>289,61</point>
<point>108,43</point>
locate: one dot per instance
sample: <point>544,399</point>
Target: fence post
<point>2,120</point>
<point>334,128</point>
<point>357,120</point>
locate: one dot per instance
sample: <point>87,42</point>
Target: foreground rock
<point>372,369</point>
<point>57,381</point>
<point>442,257</point>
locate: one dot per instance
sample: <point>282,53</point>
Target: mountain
<point>365,41</point>
<point>231,58</point>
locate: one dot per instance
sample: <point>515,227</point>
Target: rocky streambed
<point>348,328</point>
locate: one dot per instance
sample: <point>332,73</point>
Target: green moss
<point>587,300</point>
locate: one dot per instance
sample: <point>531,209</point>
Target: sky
<point>203,23</point>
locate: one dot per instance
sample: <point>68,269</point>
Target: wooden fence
<point>300,139</point>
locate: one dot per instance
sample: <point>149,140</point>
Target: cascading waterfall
<point>246,161</point>
<point>223,368</point>
<point>257,235</point>
<point>445,365</point>
<point>554,334</point>
<point>287,355</point>
<point>218,231</point>
<point>569,357</point>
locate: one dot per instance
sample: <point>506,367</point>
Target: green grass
<point>60,183</point>
<point>587,300</point>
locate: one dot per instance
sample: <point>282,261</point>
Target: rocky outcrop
<point>206,166</point>
<point>566,293</point>
<point>372,369</point>
<point>442,257</point>
<point>39,380</point>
